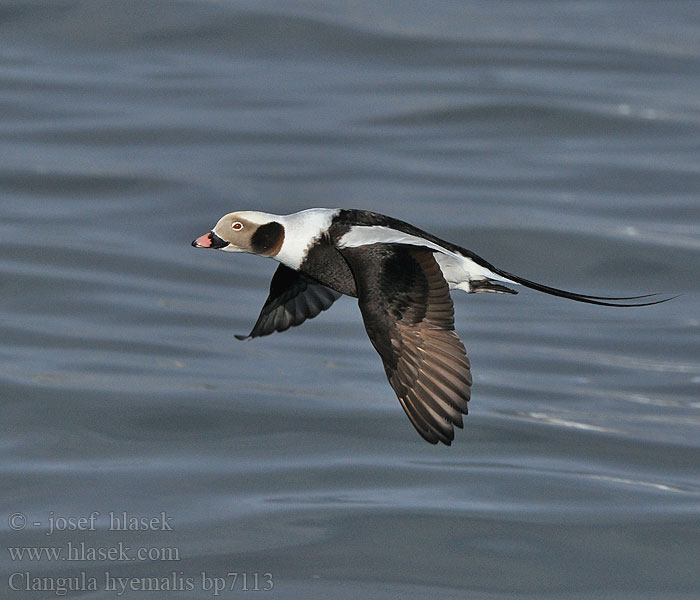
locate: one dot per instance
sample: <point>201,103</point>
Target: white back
<point>457,269</point>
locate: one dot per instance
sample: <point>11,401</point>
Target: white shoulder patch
<point>301,230</point>
<point>457,269</point>
<point>365,235</point>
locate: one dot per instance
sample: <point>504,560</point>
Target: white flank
<point>301,230</point>
<point>457,269</point>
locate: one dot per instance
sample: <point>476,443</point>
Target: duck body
<point>401,276</point>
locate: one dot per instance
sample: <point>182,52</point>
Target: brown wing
<point>409,317</point>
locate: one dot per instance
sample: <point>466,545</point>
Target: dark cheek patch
<point>268,239</point>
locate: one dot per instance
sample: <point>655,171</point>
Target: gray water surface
<point>560,141</point>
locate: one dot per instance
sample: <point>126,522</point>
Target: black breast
<point>327,266</point>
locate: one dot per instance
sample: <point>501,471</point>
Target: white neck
<point>301,230</point>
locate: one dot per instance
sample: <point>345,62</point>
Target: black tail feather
<point>600,300</point>
<point>486,285</point>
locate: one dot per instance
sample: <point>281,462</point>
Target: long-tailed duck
<point>401,276</point>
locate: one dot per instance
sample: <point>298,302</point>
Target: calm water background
<point>560,141</point>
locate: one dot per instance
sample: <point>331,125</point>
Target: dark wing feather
<point>293,298</point>
<point>409,317</point>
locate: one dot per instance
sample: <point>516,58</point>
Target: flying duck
<point>401,277</point>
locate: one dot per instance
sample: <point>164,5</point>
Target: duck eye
<point>237,226</point>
